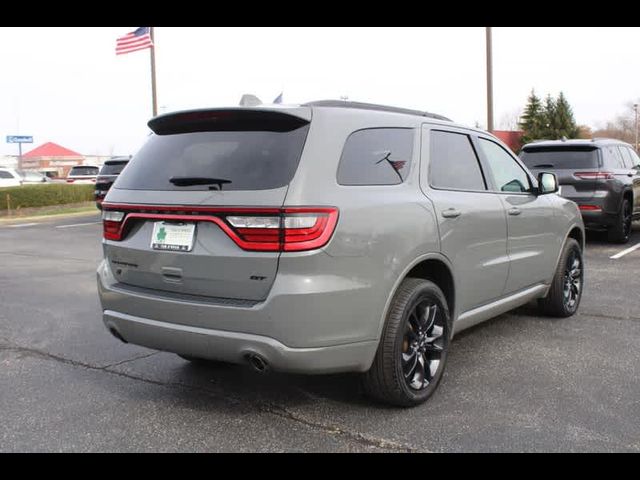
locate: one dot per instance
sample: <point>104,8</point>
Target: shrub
<point>45,195</point>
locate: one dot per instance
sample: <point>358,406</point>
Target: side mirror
<point>547,183</point>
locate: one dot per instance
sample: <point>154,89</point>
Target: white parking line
<point>624,252</point>
<point>23,225</point>
<point>77,225</point>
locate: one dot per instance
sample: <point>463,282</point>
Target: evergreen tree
<point>532,120</point>
<point>550,127</point>
<point>565,124</point>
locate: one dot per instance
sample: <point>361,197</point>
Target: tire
<point>621,231</point>
<point>411,344</point>
<point>561,302</point>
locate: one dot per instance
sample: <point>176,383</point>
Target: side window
<point>635,160</point>
<point>376,156</point>
<point>507,175</point>
<point>5,174</point>
<point>612,158</point>
<point>453,162</point>
<point>628,156</point>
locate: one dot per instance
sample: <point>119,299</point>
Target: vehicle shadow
<point>597,237</point>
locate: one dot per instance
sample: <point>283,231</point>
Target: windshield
<point>243,160</point>
<point>560,158</point>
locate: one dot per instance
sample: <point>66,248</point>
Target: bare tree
<point>622,127</point>
<point>509,121</point>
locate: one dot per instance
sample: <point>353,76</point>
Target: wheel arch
<point>434,267</point>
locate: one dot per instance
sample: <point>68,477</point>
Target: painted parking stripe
<point>23,225</point>
<point>624,252</point>
<point>78,225</point>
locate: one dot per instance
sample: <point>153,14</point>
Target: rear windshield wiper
<point>190,181</point>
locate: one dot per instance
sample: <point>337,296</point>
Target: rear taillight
<point>594,175</point>
<point>112,224</point>
<point>70,180</point>
<point>589,208</point>
<point>292,229</point>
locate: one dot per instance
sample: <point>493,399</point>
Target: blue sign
<point>19,139</point>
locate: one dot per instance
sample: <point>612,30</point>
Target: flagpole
<point>154,95</point>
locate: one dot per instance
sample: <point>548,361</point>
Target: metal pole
<point>635,107</point>
<point>19,155</point>
<point>154,96</point>
<point>489,81</point>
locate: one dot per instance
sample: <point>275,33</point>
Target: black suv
<point>601,175</point>
<point>107,175</point>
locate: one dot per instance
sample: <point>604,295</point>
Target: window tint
<point>507,175</point>
<point>376,156</point>
<point>453,163</point>
<point>5,174</point>
<point>241,159</point>
<point>559,158</point>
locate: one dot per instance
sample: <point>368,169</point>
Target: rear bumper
<point>237,347</point>
<point>599,210</point>
<point>320,331</point>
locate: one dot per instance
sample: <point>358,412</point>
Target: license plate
<point>177,237</point>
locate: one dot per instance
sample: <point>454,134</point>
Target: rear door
<point>534,243</point>
<point>471,220</point>
<point>632,165</point>
<point>565,162</point>
<point>189,191</point>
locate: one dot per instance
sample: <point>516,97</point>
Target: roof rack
<point>373,106</point>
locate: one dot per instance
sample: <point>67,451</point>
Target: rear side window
<point>629,161</point>
<point>612,157</point>
<point>453,162</point>
<point>5,174</point>
<point>376,156</point>
<point>228,160</point>
<point>536,158</point>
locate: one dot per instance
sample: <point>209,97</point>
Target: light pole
<point>489,81</point>
<point>635,107</point>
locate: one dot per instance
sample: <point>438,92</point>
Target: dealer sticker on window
<point>177,237</point>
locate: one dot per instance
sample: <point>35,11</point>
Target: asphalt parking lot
<point>519,382</point>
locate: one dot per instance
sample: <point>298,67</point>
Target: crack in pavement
<point>265,407</point>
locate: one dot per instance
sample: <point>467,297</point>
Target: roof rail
<point>373,106</point>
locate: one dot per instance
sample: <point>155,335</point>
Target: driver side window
<point>507,175</point>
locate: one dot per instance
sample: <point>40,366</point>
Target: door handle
<point>515,211</point>
<point>451,213</point>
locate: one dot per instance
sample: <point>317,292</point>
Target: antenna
<point>249,100</point>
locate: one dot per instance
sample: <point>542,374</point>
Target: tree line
<point>551,119</point>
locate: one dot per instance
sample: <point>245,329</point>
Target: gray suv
<point>601,175</point>
<point>330,237</point>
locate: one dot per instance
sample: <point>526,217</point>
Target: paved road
<point>516,383</point>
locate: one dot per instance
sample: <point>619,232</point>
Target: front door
<point>471,220</point>
<point>533,242</point>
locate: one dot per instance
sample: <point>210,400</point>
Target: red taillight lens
<point>292,229</point>
<point>594,175</point>
<point>112,222</point>
<point>589,208</point>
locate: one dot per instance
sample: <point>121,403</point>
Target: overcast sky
<point>66,85</point>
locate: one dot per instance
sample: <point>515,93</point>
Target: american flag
<point>137,40</point>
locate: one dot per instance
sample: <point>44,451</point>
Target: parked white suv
<point>9,178</point>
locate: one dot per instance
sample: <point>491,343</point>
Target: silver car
<point>330,237</point>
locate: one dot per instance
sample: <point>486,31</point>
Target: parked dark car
<point>108,174</point>
<point>601,175</point>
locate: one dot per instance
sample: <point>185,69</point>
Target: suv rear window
<point>84,171</point>
<point>560,158</point>
<point>112,168</point>
<point>239,160</point>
